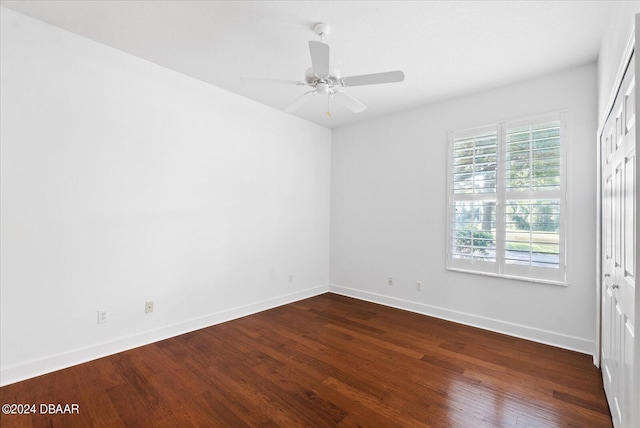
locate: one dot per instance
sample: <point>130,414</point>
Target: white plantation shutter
<point>507,200</point>
<point>475,163</point>
<point>474,197</point>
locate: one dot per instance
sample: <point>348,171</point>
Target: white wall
<point>388,210</point>
<point>124,182</point>
<point>619,26</point>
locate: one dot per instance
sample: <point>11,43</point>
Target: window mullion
<point>500,200</point>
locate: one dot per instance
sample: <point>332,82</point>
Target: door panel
<point>629,216</point>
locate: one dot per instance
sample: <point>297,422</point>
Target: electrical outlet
<point>102,317</point>
<point>418,285</point>
<point>148,307</point>
<point>390,281</point>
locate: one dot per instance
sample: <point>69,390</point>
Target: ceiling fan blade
<point>299,102</point>
<point>276,81</point>
<point>319,58</point>
<point>373,79</point>
<point>349,102</point>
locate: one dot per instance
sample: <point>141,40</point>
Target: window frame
<point>499,267</point>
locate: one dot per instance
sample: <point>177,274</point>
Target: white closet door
<point>619,337</point>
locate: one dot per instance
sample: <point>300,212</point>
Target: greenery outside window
<point>506,210</point>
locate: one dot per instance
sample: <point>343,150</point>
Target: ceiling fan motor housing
<point>332,79</point>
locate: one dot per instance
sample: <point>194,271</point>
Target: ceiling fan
<point>326,80</point>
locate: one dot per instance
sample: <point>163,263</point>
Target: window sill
<point>512,277</point>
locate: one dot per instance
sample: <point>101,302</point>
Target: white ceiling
<point>445,48</point>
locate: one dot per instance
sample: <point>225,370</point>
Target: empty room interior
<point>319,213</point>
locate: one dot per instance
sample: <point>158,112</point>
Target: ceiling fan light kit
<point>326,80</point>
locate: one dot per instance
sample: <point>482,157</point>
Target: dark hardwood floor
<point>325,361</point>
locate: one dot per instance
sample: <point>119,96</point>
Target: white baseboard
<point>57,362</point>
<point>546,337</point>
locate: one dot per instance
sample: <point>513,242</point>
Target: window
<point>506,210</point>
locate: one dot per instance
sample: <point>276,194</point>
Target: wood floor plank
<point>327,361</point>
